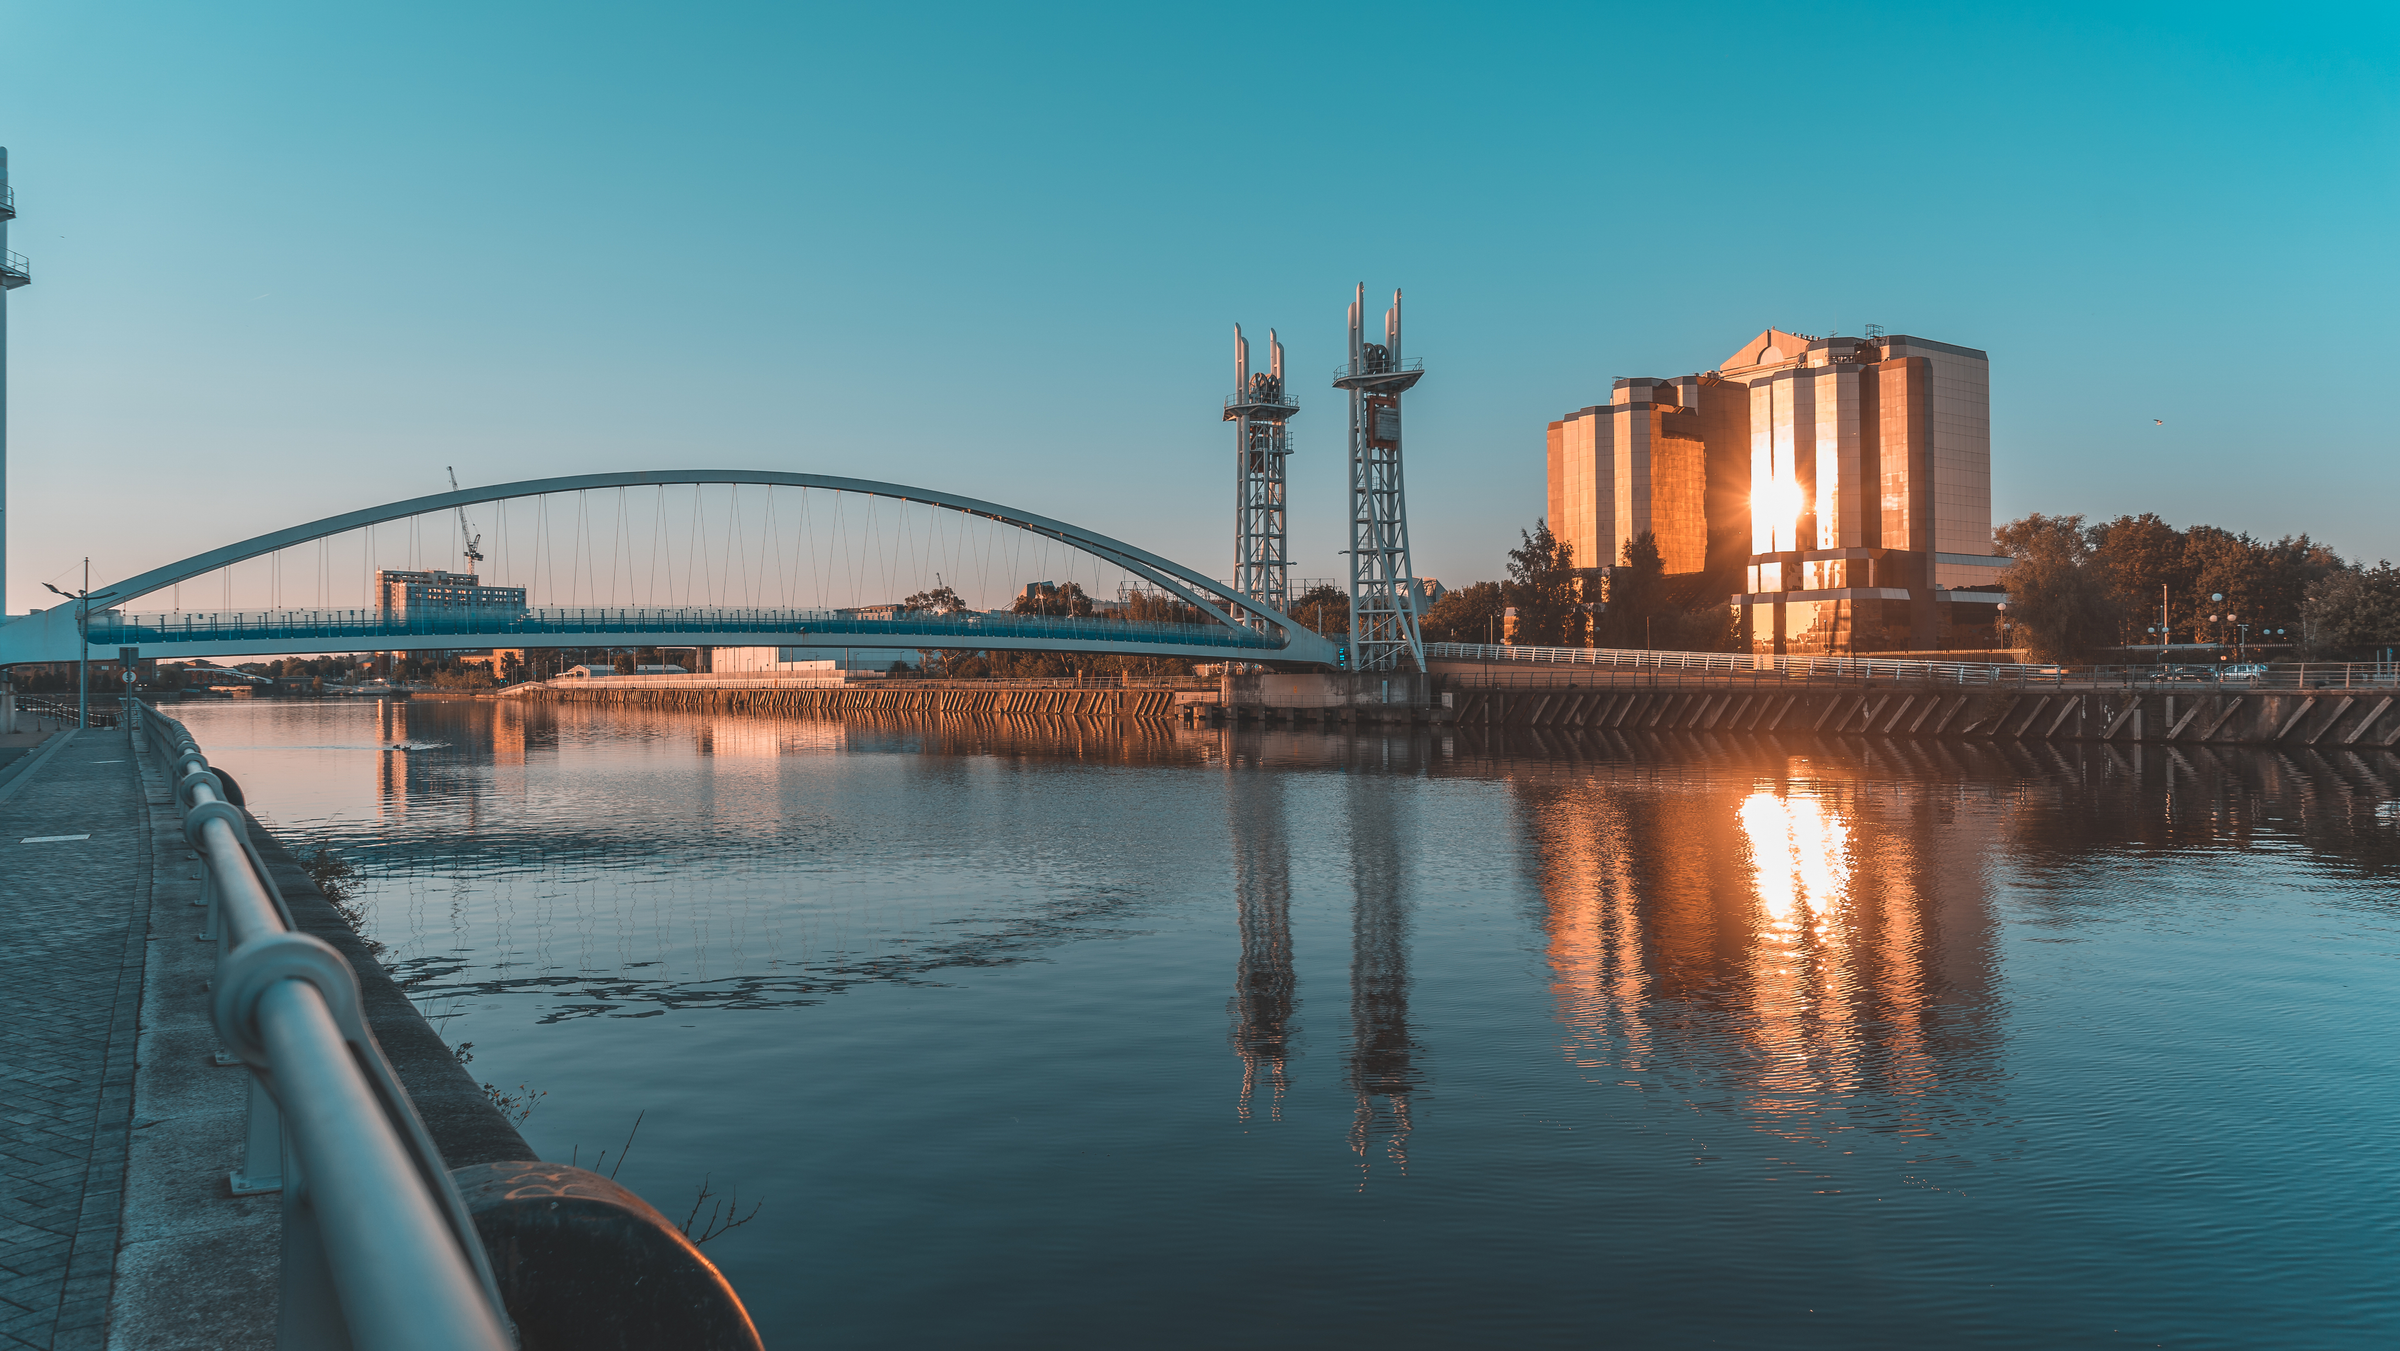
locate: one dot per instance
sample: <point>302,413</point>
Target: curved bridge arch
<point>1213,598</point>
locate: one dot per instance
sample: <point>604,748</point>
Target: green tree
<point>2353,612</point>
<point>1058,599</point>
<point>1709,628</point>
<point>1469,614</point>
<point>1638,613</point>
<point>2059,594</point>
<point>1543,587</point>
<point>941,600</point>
<point>1323,607</point>
<point>1150,607</point>
<point>2287,573</point>
<point>2139,555</point>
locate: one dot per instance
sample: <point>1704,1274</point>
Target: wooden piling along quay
<point>897,700</point>
<point>2357,719</point>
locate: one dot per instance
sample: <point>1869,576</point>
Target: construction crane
<point>466,531</point>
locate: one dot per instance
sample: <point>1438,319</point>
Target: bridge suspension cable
<point>702,540</point>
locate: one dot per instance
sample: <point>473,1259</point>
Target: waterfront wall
<point>2324,719</point>
<point>910,699</point>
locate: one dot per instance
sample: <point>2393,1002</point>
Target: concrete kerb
<point>196,1266</point>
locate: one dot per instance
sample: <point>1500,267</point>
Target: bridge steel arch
<point>50,635</point>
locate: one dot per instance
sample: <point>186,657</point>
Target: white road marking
<point>51,839</point>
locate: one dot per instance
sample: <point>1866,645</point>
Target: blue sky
<point>294,259</point>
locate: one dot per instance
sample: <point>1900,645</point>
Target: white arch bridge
<point>1230,626</point>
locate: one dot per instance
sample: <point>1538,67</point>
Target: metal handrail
<point>2304,676</point>
<point>507,627</point>
<point>60,710</point>
<point>1747,663</point>
<point>854,680</point>
<point>1351,370</point>
<point>379,1251</point>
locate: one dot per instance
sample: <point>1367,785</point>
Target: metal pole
<point>8,210</point>
<point>83,650</point>
<point>388,1246</point>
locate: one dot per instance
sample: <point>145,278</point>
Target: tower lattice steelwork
<point>1262,560</point>
<point>1383,584</point>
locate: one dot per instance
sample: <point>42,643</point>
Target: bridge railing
<point>379,1250</point>
<point>1758,665</point>
<point>2307,676</point>
<point>788,680</point>
<point>509,627</point>
<point>62,709</point>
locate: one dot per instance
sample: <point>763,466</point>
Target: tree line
<point>1062,600</point>
<point>2076,589</point>
<point>1630,604</point>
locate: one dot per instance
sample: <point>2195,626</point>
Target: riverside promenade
<point>121,1123</point>
<point>74,889</point>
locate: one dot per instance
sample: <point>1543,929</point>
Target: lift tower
<point>1262,560</point>
<point>1383,582</point>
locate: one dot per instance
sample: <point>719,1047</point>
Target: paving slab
<point>74,910</point>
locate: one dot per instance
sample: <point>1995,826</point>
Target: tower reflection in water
<point>1265,986</point>
<point>1808,949</point>
<point>1380,1060</point>
<point>1382,1068</point>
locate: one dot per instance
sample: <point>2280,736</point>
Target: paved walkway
<point>76,917</point>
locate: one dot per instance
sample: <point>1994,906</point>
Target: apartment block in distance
<point>1838,490</point>
<point>398,593</point>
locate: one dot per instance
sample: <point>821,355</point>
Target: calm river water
<point>1057,1035</point>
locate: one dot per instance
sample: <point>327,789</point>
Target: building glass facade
<point>1836,489</point>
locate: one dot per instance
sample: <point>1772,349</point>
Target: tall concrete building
<point>1838,490</point>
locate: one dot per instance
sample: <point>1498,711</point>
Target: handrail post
<point>264,1152</point>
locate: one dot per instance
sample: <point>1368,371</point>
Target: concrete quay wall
<point>2321,718</point>
<point>953,699</point>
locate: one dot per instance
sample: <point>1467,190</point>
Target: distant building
<point>402,593</point>
<point>1836,490</point>
<point>808,660</point>
<point>587,671</point>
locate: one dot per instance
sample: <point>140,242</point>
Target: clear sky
<point>293,259</point>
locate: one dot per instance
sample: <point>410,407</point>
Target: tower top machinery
<point>1259,410</point>
<point>1383,585</point>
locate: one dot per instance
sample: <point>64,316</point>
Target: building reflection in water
<point>1265,986</point>
<point>1798,945</point>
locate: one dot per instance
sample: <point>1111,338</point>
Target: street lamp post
<point>83,642</point>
